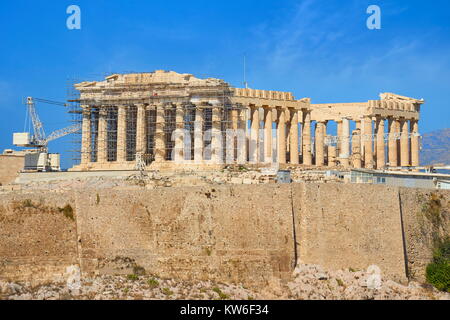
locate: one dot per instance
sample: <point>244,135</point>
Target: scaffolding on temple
<point>230,117</point>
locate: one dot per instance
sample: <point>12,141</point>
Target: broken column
<point>356,149</point>
<point>331,156</point>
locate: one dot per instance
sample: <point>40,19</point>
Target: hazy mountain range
<point>436,148</point>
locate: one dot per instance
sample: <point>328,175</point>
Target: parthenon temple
<point>166,119</point>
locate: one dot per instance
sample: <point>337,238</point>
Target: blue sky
<point>320,49</point>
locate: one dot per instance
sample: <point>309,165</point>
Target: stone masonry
<point>167,119</point>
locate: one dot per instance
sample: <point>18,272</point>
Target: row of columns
<point>287,135</point>
<point>367,142</point>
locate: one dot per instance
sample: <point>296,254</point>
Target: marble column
<point>121,133</point>
<point>254,135</point>
<point>179,134</point>
<point>404,143</point>
<point>344,154</point>
<point>102,137</point>
<point>268,135</point>
<point>216,137</point>
<point>198,135</point>
<point>86,136</point>
<point>320,136</point>
<point>392,144</point>
<point>241,146</point>
<point>339,137</point>
<point>281,136</point>
<point>381,155</point>
<point>367,138</point>
<point>306,139</point>
<point>293,144</point>
<point>231,141</point>
<point>331,156</point>
<point>141,130</point>
<point>356,149</point>
<point>415,143</point>
<point>160,142</point>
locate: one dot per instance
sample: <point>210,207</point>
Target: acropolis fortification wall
<point>246,234</point>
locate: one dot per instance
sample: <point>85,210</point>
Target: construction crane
<point>38,159</point>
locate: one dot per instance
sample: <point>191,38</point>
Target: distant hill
<point>436,148</point>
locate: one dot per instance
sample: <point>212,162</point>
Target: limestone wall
<point>426,217</point>
<point>350,226</point>
<point>37,241</point>
<point>229,233</point>
<point>9,168</point>
<point>225,233</point>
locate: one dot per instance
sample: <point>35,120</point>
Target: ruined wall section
<point>10,167</point>
<point>38,237</point>
<point>351,226</point>
<point>426,218</point>
<point>232,233</point>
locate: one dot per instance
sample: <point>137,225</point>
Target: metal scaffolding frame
<point>136,93</point>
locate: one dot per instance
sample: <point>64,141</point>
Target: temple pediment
<point>397,97</point>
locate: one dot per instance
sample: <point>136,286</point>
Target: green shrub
<point>67,211</point>
<point>138,270</point>
<point>133,277</point>
<point>153,283</point>
<point>28,204</point>
<point>438,272</point>
<point>222,295</point>
<point>167,291</point>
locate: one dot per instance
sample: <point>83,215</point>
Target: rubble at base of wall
<point>309,282</point>
<point>155,179</point>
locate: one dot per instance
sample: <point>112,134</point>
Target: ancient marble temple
<point>170,120</point>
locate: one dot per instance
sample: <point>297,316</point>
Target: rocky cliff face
<point>436,148</point>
